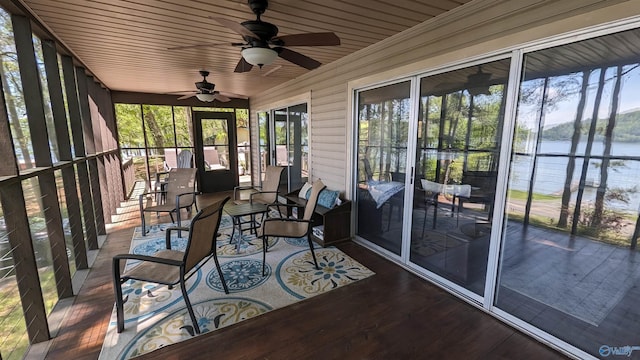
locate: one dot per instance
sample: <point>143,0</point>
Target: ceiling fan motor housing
<point>258,6</point>
<point>264,30</point>
<point>204,85</point>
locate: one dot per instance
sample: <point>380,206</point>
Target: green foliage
<point>13,329</point>
<point>627,129</point>
<point>184,125</point>
<point>522,195</point>
<point>158,123</point>
<point>129,121</point>
<point>12,87</point>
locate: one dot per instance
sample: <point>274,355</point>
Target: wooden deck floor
<point>391,315</point>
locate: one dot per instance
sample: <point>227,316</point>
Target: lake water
<point>551,170</point>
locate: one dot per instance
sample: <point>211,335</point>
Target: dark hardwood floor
<point>391,315</point>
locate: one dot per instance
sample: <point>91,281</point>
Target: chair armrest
<point>160,173</point>
<point>263,192</point>
<point>292,205</point>
<point>282,220</point>
<point>288,220</point>
<point>194,193</point>
<point>117,258</point>
<point>175,228</point>
<point>238,188</point>
<point>160,182</point>
<point>151,193</point>
<point>144,194</point>
<point>168,234</point>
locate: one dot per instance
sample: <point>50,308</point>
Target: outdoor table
<point>237,212</point>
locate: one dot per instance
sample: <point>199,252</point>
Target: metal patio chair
<point>173,267</point>
<point>290,227</point>
<point>180,193</point>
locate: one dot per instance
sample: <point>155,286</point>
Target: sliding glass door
<point>569,262</point>
<point>383,130</point>
<point>459,132</point>
<point>550,244</point>
<point>284,141</point>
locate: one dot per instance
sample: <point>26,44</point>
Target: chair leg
<point>264,253</point>
<point>435,214</point>
<point>424,219</point>
<point>189,308</point>
<point>222,280</point>
<point>236,222</point>
<point>389,217</point>
<point>313,253</point>
<point>179,222</point>
<point>117,285</point>
<point>144,228</point>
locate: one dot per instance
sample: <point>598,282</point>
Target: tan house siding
<point>473,30</point>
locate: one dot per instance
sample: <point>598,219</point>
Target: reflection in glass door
<point>565,237</point>
<point>383,123</point>
<point>569,262</point>
<point>459,130</point>
<point>263,143</point>
<point>291,145</point>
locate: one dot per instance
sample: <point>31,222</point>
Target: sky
<point>566,110</point>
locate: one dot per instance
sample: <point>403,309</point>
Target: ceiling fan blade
<point>186,96</point>
<point>221,97</point>
<point>232,95</point>
<point>297,58</point>
<point>243,66</point>
<point>308,39</point>
<point>183,92</point>
<point>235,27</point>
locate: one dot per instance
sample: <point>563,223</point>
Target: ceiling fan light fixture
<point>206,97</point>
<point>259,56</point>
<point>483,90</point>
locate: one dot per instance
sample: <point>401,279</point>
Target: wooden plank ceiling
<point>125,43</point>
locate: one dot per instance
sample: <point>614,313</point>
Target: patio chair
<point>430,196</point>
<point>179,194</point>
<point>173,267</point>
<point>267,194</point>
<point>290,227</point>
<point>183,161</point>
<point>483,189</point>
<point>431,193</point>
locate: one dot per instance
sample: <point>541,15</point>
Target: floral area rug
<point>156,316</point>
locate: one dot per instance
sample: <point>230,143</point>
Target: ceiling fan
<point>477,83</point>
<point>262,44</point>
<point>206,91</point>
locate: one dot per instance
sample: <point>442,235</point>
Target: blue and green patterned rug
<point>156,316</point>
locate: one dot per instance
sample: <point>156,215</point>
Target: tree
<point>571,163</point>
<point>604,168</point>
<point>129,121</point>
<point>587,158</point>
<point>12,87</point>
